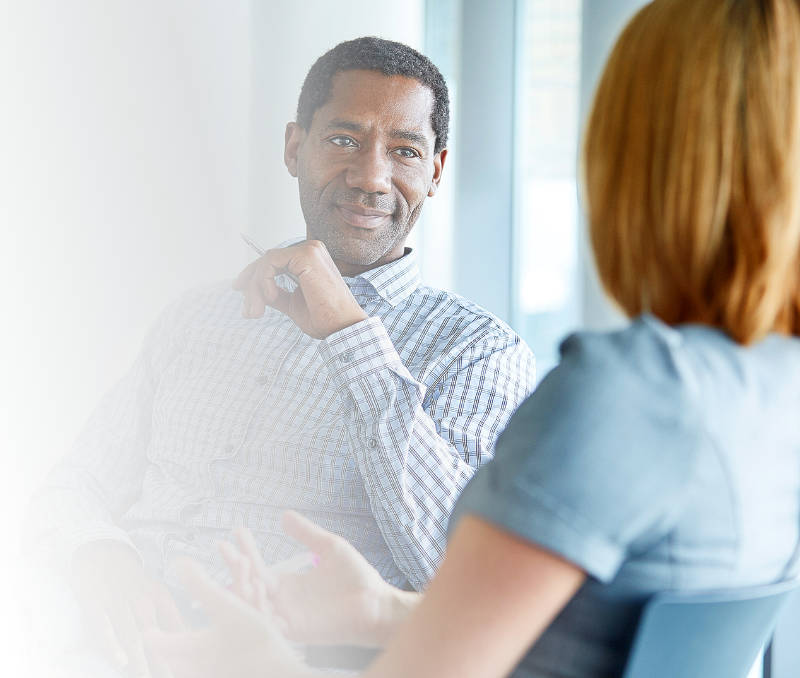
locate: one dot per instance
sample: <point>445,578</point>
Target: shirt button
<point>347,357</point>
<point>262,381</point>
<point>229,449</point>
<point>372,443</point>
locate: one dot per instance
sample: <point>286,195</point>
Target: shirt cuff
<point>62,554</point>
<point>360,350</point>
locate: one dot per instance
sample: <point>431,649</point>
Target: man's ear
<point>291,144</point>
<point>438,167</point>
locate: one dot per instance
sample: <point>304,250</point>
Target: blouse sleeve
<point>598,461</point>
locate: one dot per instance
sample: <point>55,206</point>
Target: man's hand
<point>240,642</point>
<point>119,600</point>
<point>322,303</point>
<point>342,600</point>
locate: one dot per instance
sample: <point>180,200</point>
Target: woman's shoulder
<point>637,374</point>
<point>646,350</point>
<point>686,359</point>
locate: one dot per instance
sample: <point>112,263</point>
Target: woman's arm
<point>492,598</point>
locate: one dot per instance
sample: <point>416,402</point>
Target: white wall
<point>124,137</point>
<point>125,171</point>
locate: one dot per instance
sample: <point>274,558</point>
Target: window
<point>546,294</point>
<point>508,232</point>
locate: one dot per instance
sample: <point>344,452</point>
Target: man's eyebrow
<point>345,124</point>
<point>413,137</point>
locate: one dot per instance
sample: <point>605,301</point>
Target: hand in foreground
<point>241,642</point>
<point>322,303</point>
<point>119,600</point>
<point>342,600</point>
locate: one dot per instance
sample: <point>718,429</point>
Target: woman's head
<point>692,165</point>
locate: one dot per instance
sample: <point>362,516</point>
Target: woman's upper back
<point>655,458</point>
<point>741,516</point>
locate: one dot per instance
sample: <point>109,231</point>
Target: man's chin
<point>363,252</point>
<point>349,259</point>
<point>357,258</point>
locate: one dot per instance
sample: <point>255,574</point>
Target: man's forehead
<point>371,98</point>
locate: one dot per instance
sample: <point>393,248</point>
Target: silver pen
<point>258,249</point>
<point>261,251</point>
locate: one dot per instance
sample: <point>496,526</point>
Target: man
<point>348,390</point>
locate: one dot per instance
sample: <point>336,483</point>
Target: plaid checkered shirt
<point>225,421</point>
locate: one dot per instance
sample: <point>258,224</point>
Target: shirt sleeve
<point>599,460</point>
<point>87,492</point>
<point>415,450</point>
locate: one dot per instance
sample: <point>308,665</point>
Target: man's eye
<point>407,152</point>
<point>343,141</point>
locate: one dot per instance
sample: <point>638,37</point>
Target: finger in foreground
<point>167,614</point>
<point>217,601</point>
<point>249,549</point>
<point>144,611</point>
<point>100,634</point>
<point>307,532</point>
<point>244,277</point>
<point>261,597</point>
<point>240,570</point>
<point>254,301</point>
<point>181,653</point>
<point>130,638</point>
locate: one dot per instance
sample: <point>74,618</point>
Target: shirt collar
<point>393,282</point>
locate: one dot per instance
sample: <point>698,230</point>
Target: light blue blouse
<point>655,458</point>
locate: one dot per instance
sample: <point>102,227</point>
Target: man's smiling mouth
<point>362,217</point>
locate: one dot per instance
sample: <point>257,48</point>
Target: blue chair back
<point>783,658</point>
<point>716,634</point>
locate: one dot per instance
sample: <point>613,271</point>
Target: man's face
<point>365,166</point>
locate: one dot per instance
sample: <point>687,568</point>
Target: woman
<point>662,456</point>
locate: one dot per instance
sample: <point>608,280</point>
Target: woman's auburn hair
<point>691,166</point>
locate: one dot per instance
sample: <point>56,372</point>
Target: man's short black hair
<point>375,54</point>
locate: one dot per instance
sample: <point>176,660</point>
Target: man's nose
<point>370,170</point>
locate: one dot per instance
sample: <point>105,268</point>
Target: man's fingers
<point>167,613</point>
<point>100,633</point>
<point>144,613</point>
<point>180,652</point>
<point>307,532</point>
<point>257,283</point>
<point>292,603</point>
<point>261,597</point>
<point>287,302</point>
<point>218,602</point>
<point>158,612</point>
<point>130,638</point>
<point>254,300</point>
<point>240,569</point>
<point>249,549</point>
<point>244,277</point>
<point>170,645</point>
<point>233,559</point>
